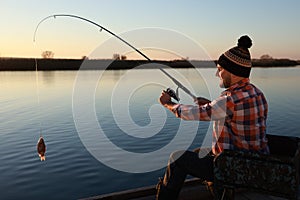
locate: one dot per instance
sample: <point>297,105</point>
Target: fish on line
<point>41,148</point>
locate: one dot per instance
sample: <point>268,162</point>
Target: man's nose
<point>217,73</point>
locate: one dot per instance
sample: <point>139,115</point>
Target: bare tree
<point>84,58</point>
<point>266,57</point>
<point>123,57</point>
<point>47,54</point>
<point>116,56</point>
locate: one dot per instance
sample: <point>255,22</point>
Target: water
<point>70,170</point>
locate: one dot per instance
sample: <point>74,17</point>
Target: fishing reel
<point>173,94</point>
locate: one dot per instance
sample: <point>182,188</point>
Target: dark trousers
<point>183,163</point>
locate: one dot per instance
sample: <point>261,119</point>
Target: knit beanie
<point>237,60</point>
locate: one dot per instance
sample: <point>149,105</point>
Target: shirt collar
<point>239,84</point>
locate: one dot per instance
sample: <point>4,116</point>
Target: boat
<point>193,189</point>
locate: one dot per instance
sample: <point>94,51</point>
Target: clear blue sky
<point>216,25</point>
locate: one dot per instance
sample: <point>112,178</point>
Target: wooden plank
<point>192,190</point>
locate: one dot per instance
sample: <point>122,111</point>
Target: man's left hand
<point>201,101</point>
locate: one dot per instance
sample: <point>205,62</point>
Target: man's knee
<point>175,156</point>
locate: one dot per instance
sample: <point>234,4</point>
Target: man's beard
<point>225,83</point>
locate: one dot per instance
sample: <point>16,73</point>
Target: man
<point>239,117</point>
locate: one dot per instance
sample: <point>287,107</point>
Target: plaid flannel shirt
<point>239,116</point>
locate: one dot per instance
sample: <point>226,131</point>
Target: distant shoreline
<point>43,64</point>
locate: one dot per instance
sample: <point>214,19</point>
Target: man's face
<point>225,77</point>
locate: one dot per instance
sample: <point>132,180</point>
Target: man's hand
<point>165,98</point>
<point>201,101</point>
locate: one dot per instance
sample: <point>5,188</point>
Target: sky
<point>213,25</point>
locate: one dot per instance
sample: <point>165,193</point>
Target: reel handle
<point>172,93</point>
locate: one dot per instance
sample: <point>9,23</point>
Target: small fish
<point>41,148</point>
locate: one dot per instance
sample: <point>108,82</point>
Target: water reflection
<point>48,77</point>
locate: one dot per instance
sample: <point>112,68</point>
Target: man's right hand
<point>164,98</point>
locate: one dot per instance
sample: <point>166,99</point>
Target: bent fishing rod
<point>169,91</point>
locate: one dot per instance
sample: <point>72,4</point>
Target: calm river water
<point>137,134</point>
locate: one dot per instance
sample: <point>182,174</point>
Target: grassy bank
<point>30,64</point>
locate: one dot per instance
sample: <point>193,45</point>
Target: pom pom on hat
<point>244,42</point>
<point>237,60</point>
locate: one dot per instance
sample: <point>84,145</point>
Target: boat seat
<point>276,174</point>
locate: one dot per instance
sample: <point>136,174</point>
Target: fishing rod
<point>169,90</point>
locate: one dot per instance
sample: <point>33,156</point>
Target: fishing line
<point>170,91</point>
<point>41,147</point>
<point>37,91</point>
